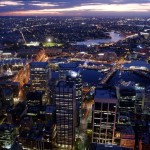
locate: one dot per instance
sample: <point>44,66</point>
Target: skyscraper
<point>65,114</point>
<point>34,102</point>
<point>104,116</point>
<point>126,98</point>
<point>70,73</point>
<point>39,76</point>
<point>146,102</point>
<point>76,78</point>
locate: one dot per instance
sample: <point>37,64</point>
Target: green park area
<point>51,44</point>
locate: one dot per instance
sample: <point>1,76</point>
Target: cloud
<point>2,5</point>
<point>62,7</point>
<point>118,1</point>
<point>29,13</point>
<point>43,4</point>
<point>104,7</point>
<point>11,3</point>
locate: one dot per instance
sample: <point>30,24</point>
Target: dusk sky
<point>74,7</point>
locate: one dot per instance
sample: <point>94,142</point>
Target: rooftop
<point>68,66</point>
<point>6,127</point>
<point>35,95</point>
<point>146,138</point>
<point>104,94</point>
<point>127,91</point>
<point>9,83</point>
<point>50,109</point>
<point>95,146</point>
<point>63,84</point>
<point>38,64</point>
<point>125,129</point>
<point>73,74</point>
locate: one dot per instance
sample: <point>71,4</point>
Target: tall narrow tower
<point>70,72</point>
<point>39,76</point>
<point>65,114</point>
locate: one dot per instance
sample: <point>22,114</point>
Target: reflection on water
<point>128,76</point>
<point>93,76</point>
<point>89,76</point>
<point>114,38</point>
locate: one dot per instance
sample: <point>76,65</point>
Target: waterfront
<point>92,77</point>
<point>115,37</point>
<point>128,76</point>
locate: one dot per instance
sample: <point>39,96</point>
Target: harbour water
<point>115,37</point>
<point>92,77</point>
<point>128,76</point>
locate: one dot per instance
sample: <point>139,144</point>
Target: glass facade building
<point>70,73</point>
<point>39,75</point>
<point>65,114</point>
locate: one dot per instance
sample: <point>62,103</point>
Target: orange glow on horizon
<point>89,7</point>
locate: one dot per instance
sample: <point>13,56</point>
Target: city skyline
<point>74,8</point>
<point>74,83</point>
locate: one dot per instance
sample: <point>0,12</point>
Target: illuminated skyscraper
<point>34,102</point>
<point>76,78</point>
<point>70,73</point>
<point>146,102</point>
<point>39,76</point>
<point>104,116</point>
<point>65,114</point>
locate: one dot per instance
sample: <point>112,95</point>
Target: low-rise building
<point>125,136</point>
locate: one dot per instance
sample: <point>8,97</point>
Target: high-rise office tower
<point>104,116</point>
<point>39,76</point>
<point>146,101</point>
<point>76,78</point>
<point>126,98</point>
<point>34,102</point>
<point>65,114</point>
<point>70,73</point>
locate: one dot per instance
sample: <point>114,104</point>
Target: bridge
<point>142,73</point>
<point>108,76</point>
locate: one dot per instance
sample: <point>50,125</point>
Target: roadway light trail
<point>23,75</point>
